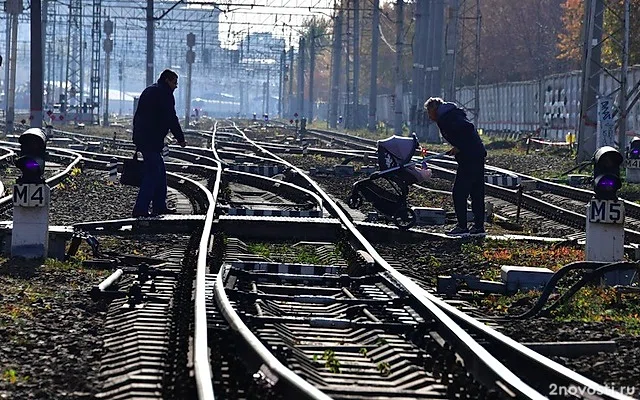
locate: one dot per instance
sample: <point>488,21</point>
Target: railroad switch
<point>109,287</point>
<point>76,240</point>
<point>514,279</point>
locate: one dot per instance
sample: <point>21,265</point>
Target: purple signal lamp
<point>607,183</point>
<point>31,165</point>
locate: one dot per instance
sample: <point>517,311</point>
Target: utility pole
<point>373,83</point>
<point>335,69</point>
<point>51,48</point>
<point>622,97</point>
<point>398,117</point>
<point>191,57</point>
<point>264,97</point>
<point>312,69</point>
<point>46,32</point>
<point>301,50</point>
<point>266,90</point>
<point>37,76</point>
<point>463,66</point>
<point>96,42</point>
<point>594,125</point>
<point>450,40</point>
<point>281,83</point>
<point>241,97</point>
<point>418,68</point>
<point>356,64</point>
<point>290,97</point>
<point>434,64</point>
<point>13,8</point>
<point>347,69</point>
<point>121,85</point>
<point>108,48</point>
<point>150,41</point>
<point>476,104</point>
<point>593,19</point>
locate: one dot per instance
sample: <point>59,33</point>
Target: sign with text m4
<point>30,195</point>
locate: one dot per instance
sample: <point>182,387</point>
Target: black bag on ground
<point>132,171</point>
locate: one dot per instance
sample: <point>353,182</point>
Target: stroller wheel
<point>404,218</point>
<point>354,201</point>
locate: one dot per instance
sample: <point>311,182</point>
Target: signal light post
<point>31,198</point>
<point>191,58</point>
<point>632,161</point>
<point>605,213</point>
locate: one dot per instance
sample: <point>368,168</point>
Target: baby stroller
<point>387,189</point>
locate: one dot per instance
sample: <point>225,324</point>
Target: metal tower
<point>399,78</point>
<point>96,36</point>
<point>73,84</point>
<point>462,53</point>
<point>13,8</point>
<point>602,86</point>
<point>420,48</point>
<point>49,16</point>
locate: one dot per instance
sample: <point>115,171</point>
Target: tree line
<point>519,40</point>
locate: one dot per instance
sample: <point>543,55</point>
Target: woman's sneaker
<point>477,231</point>
<point>458,231</point>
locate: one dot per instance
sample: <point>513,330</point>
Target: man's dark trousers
<point>469,182</point>
<point>154,184</point>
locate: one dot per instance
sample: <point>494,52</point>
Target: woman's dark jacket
<point>460,133</point>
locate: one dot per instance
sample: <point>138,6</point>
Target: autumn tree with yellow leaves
<point>570,40</point>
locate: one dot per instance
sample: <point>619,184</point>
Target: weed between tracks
<point>598,304</point>
<point>48,324</point>
<point>483,258</point>
<point>498,252</point>
<point>590,304</point>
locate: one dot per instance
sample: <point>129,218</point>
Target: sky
<point>284,18</point>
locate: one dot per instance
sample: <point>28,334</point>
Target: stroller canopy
<point>401,148</point>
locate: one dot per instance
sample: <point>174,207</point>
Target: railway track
<point>347,325</point>
<point>555,202</point>
<point>310,320</point>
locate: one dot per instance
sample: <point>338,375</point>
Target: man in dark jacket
<point>154,117</point>
<point>470,154</point>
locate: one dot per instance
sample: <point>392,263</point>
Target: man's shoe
<point>140,214</point>
<point>477,231</point>
<point>166,211</point>
<point>458,231</point>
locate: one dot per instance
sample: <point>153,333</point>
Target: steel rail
<point>201,362</point>
<point>531,355</point>
<point>10,153</point>
<point>239,175</point>
<point>512,345</point>
<point>551,211</point>
<point>102,161</point>
<point>267,358</point>
<point>575,193</point>
<point>475,356</point>
<point>54,180</point>
<point>537,205</point>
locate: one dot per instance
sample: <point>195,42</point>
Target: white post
<point>605,237</point>
<point>30,233</point>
